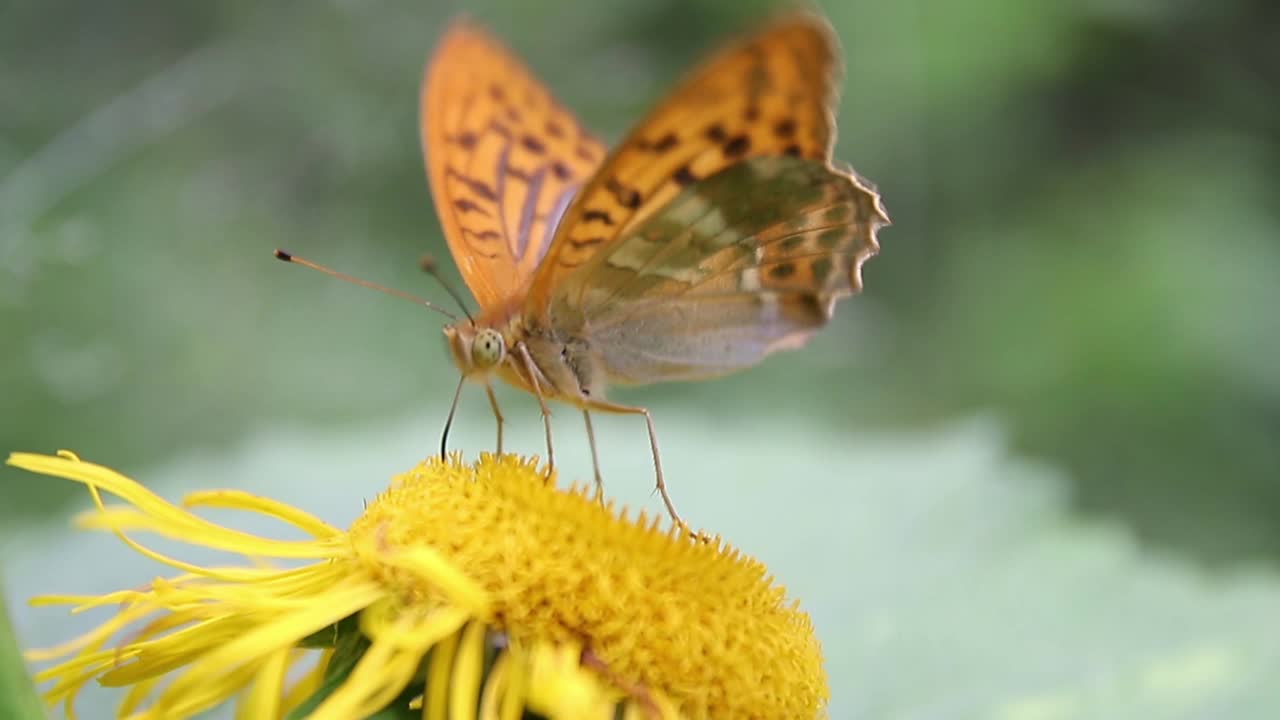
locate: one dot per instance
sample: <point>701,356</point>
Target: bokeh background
<point>1032,472</point>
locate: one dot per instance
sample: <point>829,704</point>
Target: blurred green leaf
<point>348,650</point>
<point>18,699</point>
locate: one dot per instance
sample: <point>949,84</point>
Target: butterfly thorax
<point>521,352</point>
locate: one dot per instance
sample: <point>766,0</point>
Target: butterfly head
<point>476,350</point>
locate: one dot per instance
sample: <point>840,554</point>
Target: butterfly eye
<point>488,348</point>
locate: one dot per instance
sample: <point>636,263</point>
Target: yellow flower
<point>463,590</point>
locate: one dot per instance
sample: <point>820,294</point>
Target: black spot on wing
<point>829,239</point>
<point>737,146</point>
<point>838,213</point>
<point>598,216</point>
<point>475,186</point>
<point>664,143</point>
<point>626,197</point>
<point>465,206</point>
<point>533,145</point>
<point>782,271</point>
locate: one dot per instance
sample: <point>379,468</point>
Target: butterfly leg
<point>497,413</point>
<point>448,423</point>
<point>532,370</point>
<point>657,458</point>
<point>595,457</point>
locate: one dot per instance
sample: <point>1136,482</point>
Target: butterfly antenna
<point>294,259</point>
<point>428,265</point>
<point>448,423</point>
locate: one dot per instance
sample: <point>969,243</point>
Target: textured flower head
<point>463,590</point>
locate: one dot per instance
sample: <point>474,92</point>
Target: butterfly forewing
<point>504,159</point>
<point>745,262</point>
<point>770,95</point>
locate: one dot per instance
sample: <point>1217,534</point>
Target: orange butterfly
<point>716,233</point>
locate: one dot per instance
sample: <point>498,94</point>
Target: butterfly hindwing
<point>504,159</point>
<point>770,95</point>
<point>745,262</point>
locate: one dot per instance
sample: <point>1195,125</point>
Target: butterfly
<point>717,232</point>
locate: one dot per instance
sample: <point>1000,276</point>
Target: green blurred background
<point>1084,249</point>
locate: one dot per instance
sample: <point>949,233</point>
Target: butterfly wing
<point>504,159</point>
<point>769,95</point>
<point>743,263</point>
